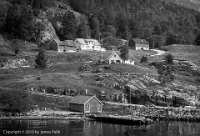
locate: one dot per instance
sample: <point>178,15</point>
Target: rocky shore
<point>46,114</point>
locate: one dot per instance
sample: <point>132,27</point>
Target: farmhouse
<point>139,44</point>
<point>114,58</point>
<point>88,44</point>
<point>85,104</point>
<point>65,46</point>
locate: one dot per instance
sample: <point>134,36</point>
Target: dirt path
<point>159,52</point>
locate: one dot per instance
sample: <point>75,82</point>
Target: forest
<point>160,22</point>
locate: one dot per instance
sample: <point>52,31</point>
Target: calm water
<point>92,128</point>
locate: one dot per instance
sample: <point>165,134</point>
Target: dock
<point>124,120</point>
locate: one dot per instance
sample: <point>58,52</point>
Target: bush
<point>144,59</point>
<point>15,101</point>
<point>41,59</point>
<point>169,58</point>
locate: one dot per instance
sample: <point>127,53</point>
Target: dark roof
<point>138,40</point>
<point>69,43</point>
<point>81,99</point>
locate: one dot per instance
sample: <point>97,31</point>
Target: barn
<point>85,104</point>
<point>139,44</point>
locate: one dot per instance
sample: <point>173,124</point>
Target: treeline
<point>159,22</point>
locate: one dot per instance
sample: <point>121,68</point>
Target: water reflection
<point>93,128</point>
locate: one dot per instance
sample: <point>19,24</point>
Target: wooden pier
<point>124,120</point>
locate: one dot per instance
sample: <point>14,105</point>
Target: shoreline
<point>42,118</point>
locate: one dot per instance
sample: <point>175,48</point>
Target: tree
<point>169,58</point>
<point>83,30</point>
<point>70,26</point>
<point>172,38</point>
<point>15,101</point>
<point>135,28</point>
<point>122,26</point>
<point>144,59</point>
<point>197,41</point>
<point>94,26</point>
<point>109,31</point>
<point>124,53</point>
<point>41,59</point>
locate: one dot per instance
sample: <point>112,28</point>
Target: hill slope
<point>193,4</point>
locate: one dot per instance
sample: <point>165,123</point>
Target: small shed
<point>85,104</point>
<point>114,58</point>
<point>139,44</point>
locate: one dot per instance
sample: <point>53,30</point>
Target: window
<point>99,108</point>
<point>88,107</point>
<point>115,55</point>
<point>117,61</point>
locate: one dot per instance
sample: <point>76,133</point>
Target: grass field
<point>64,71</point>
<point>185,52</point>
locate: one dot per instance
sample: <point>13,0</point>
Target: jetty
<point>124,120</point>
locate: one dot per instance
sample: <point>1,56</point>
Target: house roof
<point>81,99</point>
<point>112,54</point>
<point>69,43</point>
<point>81,40</point>
<point>94,41</point>
<point>138,40</point>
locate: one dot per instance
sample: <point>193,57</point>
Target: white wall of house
<point>130,62</point>
<point>97,48</point>
<point>86,47</point>
<point>141,47</point>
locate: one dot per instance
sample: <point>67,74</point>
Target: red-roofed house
<point>85,104</point>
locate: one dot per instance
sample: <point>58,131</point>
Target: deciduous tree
<point>15,101</point>
<point>124,53</point>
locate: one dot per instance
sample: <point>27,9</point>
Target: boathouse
<point>85,104</point>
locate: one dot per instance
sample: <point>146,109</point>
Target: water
<point>93,128</point>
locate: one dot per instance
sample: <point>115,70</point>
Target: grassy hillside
<point>187,52</point>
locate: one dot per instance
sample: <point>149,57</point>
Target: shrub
<point>144,59</point>
<point>41,59</point>
<point>15,101</point>
<point>169,58</point>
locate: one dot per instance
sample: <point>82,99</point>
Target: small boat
<point>125,120</point>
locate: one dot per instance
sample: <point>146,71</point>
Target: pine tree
<point>84,30</point>
<point>41,59</point>
<point>94,27</point>
<point>70,26</point>
<point>197,41</point>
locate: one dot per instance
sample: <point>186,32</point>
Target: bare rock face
<point>58,16</point>
<point>52,21</point>
<point>48,32</point>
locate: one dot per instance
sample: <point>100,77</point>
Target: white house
<point>88,44</point>
<point>114,58</point>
